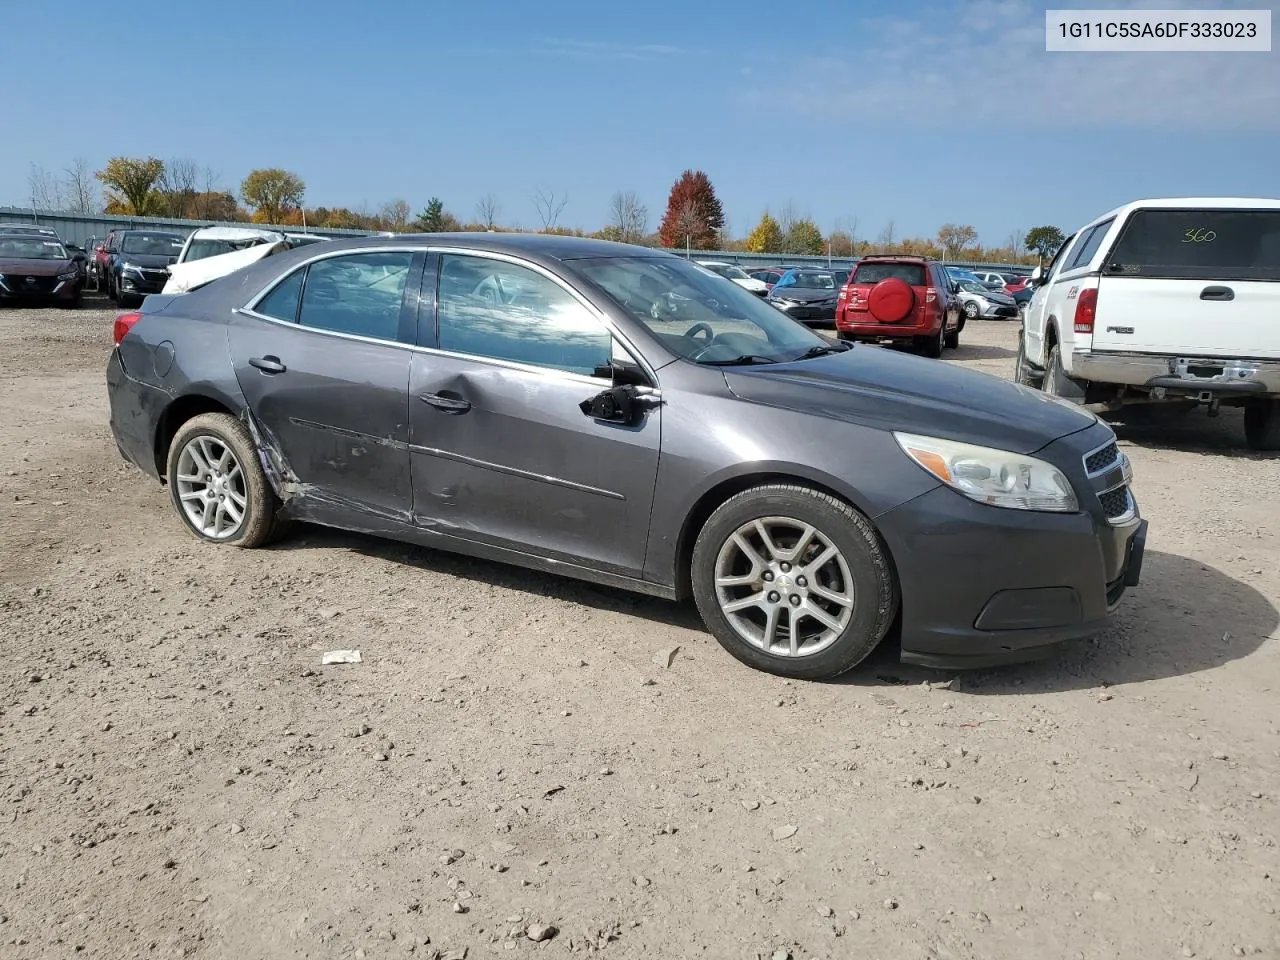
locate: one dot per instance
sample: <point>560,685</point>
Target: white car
<point>735,273</point>
<point>1164,300</point>
<point>213,252</point>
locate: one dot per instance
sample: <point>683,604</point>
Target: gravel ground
<point>180,777</point>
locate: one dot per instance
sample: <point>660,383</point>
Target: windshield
<point>970,287</point>
<point>200,249</point>
<point>809,280</point>
<point>695,315</point>
<point>152,244</point>
<point>30,248</point>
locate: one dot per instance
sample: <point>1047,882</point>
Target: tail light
<point>1086,309</point>
<point>844,293</point>
<point>124,323</point>
<point>930,294</point>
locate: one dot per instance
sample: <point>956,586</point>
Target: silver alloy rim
<point>784,587</point>
<point>211,487</point>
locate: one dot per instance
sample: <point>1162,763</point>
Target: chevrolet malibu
<point>528,399</point>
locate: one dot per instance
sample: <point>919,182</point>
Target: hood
<point>195,273</point>
<point>804,294</point>
<point>896,391</point>
<point>153,260</point>
<point>751,283</point>
<point>36,268</point>
<point>999,296</point>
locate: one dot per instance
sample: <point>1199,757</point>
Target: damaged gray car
<point>534,400</point>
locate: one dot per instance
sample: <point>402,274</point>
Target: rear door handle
<point>1217,293</point>
<point>447,404</point>
<point>267,364</point>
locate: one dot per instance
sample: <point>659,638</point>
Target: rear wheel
<point>217,484</point>
<point>1056,383</point>
<point>931,346</point>
<point>952,338</point>
<point>1262,425</point>
<point>1021,368</point>
<point>793,581</point>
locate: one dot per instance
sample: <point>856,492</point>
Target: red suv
<point>900,299</point>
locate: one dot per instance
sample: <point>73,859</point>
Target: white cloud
<point>989,63</point>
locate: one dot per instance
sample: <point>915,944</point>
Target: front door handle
<point>1217,293</point>
<point>267,364</point>
<point>447,404</point>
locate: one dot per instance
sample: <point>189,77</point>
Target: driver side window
<point>502,311</point>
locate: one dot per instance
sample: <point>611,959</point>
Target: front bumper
<point>997,311</point>
<point>983,586</point>
<point>142,284</point>
<point>808,312</point>
<point>45,290</point>
<point>1189,374</point>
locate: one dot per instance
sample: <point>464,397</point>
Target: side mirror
<point>1036,276</point>
<point>615,405</point>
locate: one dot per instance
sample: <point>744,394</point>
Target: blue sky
<point>917,112</point>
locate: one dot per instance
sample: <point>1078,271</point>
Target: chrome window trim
<point>610,327</point>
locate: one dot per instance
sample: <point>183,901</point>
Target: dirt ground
<point>179,775</point>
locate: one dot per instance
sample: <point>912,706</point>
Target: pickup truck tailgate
<point>1237,319</point>
<point>1202,281</point>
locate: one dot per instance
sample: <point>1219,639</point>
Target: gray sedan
<point>618,414</point>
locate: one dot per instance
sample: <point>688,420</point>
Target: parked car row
<point>36,265</point>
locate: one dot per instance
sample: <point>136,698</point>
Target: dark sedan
<point>137,263</point>
<point>538,400</point>
<point>807,295</point>
<point>39,269</point>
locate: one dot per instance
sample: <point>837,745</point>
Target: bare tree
<point>688,222</point>
<point>886,235</point>
<point>81,187</point>
<point>1015,242</point>
<point>487,211</point>
<point>178,186</point>
<point>44,190</point>
<point>851,228</point>
<point>787,218</point>
<point>629,216</point>
<point>549,207</point>
<point>395,215</point>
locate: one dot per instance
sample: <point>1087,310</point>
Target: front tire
<point>1262,425</point>
<point>217,484</point>
<point>793,581</point>
<point>971,310</point>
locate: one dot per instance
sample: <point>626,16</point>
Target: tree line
<point>694,217</point>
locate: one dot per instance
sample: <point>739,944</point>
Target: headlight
<point>69,275</point>
<point>130,267</point>
<point>995,477</point>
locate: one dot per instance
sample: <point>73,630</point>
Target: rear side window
<point>361,294</point>
<point>912,274</point>
<point>282,302</point>
<point>1089,246</point>
<point>1199,245</point>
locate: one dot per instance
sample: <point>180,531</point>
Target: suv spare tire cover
<point>891,300</point>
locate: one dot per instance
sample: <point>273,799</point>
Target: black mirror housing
<point>615,405</point>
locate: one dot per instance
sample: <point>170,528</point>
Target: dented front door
<point>505,456</point>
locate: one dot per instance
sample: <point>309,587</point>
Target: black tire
<point>1022,372</point>
<point>951,340</point>
<point>971,310</point>
<point>871,571</point>
<point>1056,383</point>
<point>261,523</point>
<point>1262,425</point>
<point>932,346</point>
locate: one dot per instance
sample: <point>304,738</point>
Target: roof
<point>1180,203</point>
<point>235,233</point>
<point>160,232</point>
<point>532,245</point>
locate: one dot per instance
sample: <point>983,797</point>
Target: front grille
<point>1099,460</point>
<point>1115,503</point>
<point>22,284</point>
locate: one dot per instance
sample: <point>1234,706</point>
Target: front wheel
<point>1262,425</point>
<point>793,581</point>
<point>217,484</point>
<point>971,310</point>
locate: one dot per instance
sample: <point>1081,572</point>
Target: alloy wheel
<point>211,487</point>
<point>784,586</point>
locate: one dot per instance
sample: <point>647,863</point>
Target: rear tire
<point>260,522</point>
<point>860,570</point>
<point>1022,373</point>
<point>1262,425</point>
<point>1056,383</point>
<point>951,340</point>
<point>931,346</point>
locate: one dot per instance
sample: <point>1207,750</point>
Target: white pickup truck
<point>1174,300</point>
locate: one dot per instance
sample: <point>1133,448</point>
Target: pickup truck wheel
<point>1022,372</point>
<point>1056,383</point>
<point>1262,425</point>
<point>793,581</point>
